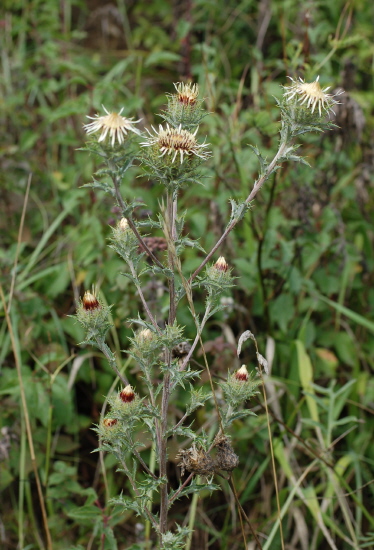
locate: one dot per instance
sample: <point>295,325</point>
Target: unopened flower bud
<point>145,335</point>
<point>123,224</point>
<point>90,302</point>
<point>127,395</point>
<point>221,264</point>
<point>242,374</point>
<point>109,422</point>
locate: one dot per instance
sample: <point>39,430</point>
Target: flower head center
<point>113,120</point>
<point>312,89</point>
<point>177,140</point>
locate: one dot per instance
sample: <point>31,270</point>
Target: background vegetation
<point>303,256</point>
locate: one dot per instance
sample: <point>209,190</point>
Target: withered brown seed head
<point>109,422</point>
<point>90,301</point>
<point>242,374</point>
<point>181,350</point>
<point>127,395</point>
<point>221,264</point>
<point>226,459</point>
<point>196,461</point>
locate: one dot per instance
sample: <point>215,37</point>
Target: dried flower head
<point>242,374</point>
<point>113,123</point>
<point>226,458</point>
<point>90,301</point>
<point>172,141</point>
<point>110,422</point>
<point>221,264</point>
<point>154,244</point>
<point>196,461</point>
<point>127,395</point>
<point>311,94</point>
<point>187,93</point>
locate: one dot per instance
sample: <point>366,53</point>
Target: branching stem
<point>256,188</point>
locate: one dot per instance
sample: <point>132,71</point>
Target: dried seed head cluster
<point>187,94</point>
<point>311,95</point>
<point>226,459</point>
<point>113,124</point>
<point>196,461</point>
<point>174,141</point>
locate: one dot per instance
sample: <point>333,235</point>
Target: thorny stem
<point>111,359</point>
<point>171,236</point>
<point>197,338</point>
<point>133,485</point>
<point>144,302</point>
<point>257,186</point>
<point>185,483</point>
<point>144,464</point>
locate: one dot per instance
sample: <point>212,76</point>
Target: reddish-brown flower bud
<point>221,264</point>
<point>109,422</point>
<point>242,374</point>
<point>127,395</point>
<point>90,302</point>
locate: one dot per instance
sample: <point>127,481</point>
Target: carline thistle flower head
<point>127,395</point>
<point>92,314</point>
<point>187,93</point>
<point>221,264</point>
<point>113,123</point>
<point>90,301</point>
<point>110,422</point>
<point>172,141</point>
<point>311,94</point>
<point>242,374</point>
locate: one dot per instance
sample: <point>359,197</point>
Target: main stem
<point>171,212</point>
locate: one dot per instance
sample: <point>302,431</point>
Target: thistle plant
<point>173,155</point>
